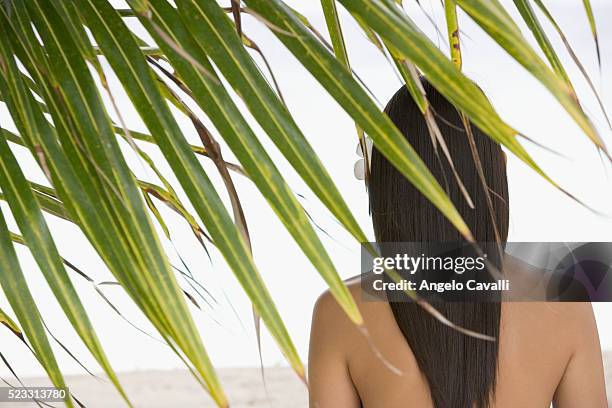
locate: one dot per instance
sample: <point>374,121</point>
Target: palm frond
<point>56,58</point>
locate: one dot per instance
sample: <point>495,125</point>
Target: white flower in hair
<point>359,168</point>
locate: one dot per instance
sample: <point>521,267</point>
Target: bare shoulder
<point>328,308</point>
<point>329,316</point>
<point>577,320</point>
<point>331,326</point>
<point>560,312</point>
<point>571,323</point>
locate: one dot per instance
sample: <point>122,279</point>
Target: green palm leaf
<point>6,320</point>
<point>128,62</point>
<point>591,17</point>
<point>215,33</point>
<point>335,30</point>
<point>496,21</point>
<point>452,28</point>
<point>20,298</point>
<point>28,215</point>
<point>574,57</point>
<point>225,115</point>
<point>354,99</point>
<point>83,101</point>
<point>166,311</point>
<point>400,33</point>
<point>528,14</point>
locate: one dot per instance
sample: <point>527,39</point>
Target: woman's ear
<point>505,157</point>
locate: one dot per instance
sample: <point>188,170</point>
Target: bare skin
<point>549,353</point>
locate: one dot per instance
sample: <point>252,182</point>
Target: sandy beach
<point>165,389</point>
<point>243,386</point>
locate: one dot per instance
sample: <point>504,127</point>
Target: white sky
<point>538,211</point>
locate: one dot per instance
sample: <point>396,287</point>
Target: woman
<point>545,352</point>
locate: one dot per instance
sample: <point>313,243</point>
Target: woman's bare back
<point>548,352</point>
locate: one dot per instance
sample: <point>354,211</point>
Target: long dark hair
<point>461,370</point>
